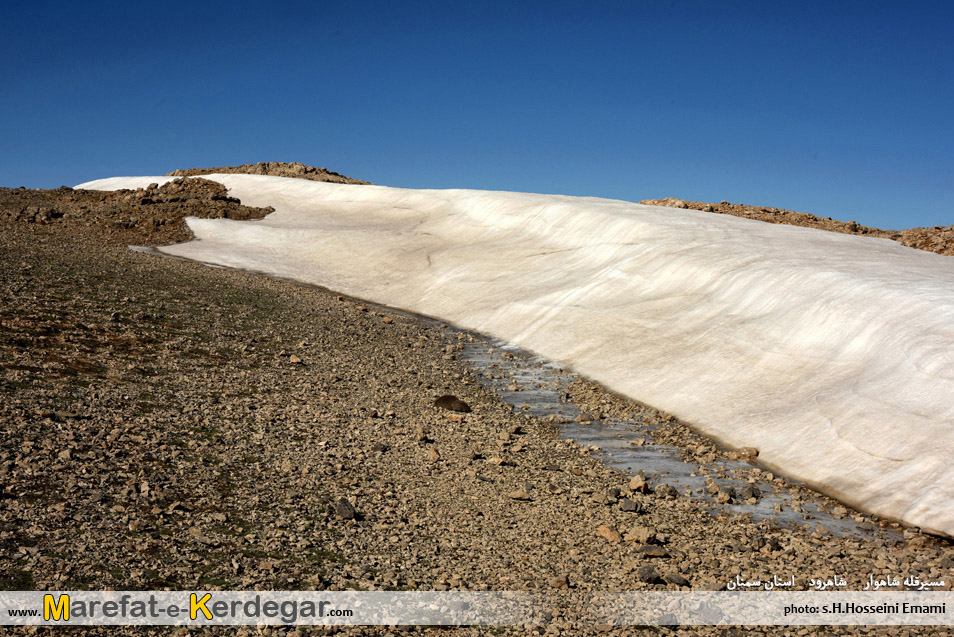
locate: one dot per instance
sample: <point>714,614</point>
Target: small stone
<point>639,485</point>
<point>294,359</point>
<point>650,550</point>
<point>676,578</point>
<point>753,492</point>
<point>643,535</point>
<point>560,581</point>
<point>709,585</point>
<point>519,495</point>
<point>609,534</point>
<point>344,509</point>
<point>452,403</point>
<point>649,575</point>
<point>433,455</point>
<point>666,491</point>
<point>630,506</point>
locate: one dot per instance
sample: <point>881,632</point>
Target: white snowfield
<point>832,354</point>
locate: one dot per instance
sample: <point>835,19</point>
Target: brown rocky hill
<point>275,169</point>
<point>939,239</point>
<point>145,216</point>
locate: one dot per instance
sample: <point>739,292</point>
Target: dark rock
<point>649,575</point>
<point>630,506</point>
<point>676,578</point>
<point>750,491</point>
<point>345,510</point>
<point>452,403</point>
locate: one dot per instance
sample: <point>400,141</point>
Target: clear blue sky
<point>843,109</point>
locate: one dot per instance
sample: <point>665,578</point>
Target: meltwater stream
<point>535,386</point>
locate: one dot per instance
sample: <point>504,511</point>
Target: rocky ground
<point>167,425</point>
<point>938,239</point>
<point>145,216</point>
<point>275,169</point>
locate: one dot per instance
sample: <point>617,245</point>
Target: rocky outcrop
<point>275,169</point>
<point>939,239</point>
<point>145,216</point>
